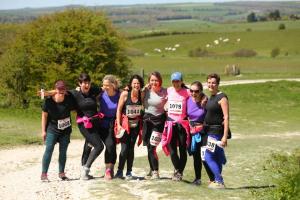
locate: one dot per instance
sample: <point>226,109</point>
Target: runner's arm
<point>44,124</point>
<point>225,109</point>
<point>121,103</point>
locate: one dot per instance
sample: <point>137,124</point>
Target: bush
<point>198,52</point>
<point>275,52</point>
<point>245,53</point>
<point>286,172</point>
<point>281,26</point>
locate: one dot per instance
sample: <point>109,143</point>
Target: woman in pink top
<point>176,128</point>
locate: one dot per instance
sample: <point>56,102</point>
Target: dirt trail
<point>20,170</point>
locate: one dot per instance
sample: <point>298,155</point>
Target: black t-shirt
<point>86,104</point>
<point>214,114</point>
<point>59,114</point>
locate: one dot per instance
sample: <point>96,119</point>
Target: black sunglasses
<point>196,91</point>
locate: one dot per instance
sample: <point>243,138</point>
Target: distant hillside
<point>141,14</point>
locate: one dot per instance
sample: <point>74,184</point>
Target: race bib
<point>155,138</point>
<point>175,107</point>
<point>133,111</point>
<point>211,144</point>
<point>203,150</point>
<point>63,123</point>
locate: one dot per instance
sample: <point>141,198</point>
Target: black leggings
<point>148,127</point>
<point>127,149</point>
<point>92,137</point>
<point>107,135</point>
<point>198,161</point>
<point>178,136</point>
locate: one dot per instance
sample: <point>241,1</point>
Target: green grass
<point>262,65</point>
<point>23,126</point>
<point>268,108</point>
<point>204,26</point>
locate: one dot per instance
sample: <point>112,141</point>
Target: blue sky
<point>15,4</point>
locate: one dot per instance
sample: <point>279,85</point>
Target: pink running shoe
<point>108,174</point>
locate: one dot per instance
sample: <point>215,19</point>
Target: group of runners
<point>184,120</point>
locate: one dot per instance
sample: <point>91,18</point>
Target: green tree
<point>275,15</point>
<point>60,46</point>
<point>251,17</point>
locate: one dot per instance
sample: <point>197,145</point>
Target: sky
<point>16,4</point>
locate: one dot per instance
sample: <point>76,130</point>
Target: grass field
<point>23,126</point>
<point>194,25</point>
<point>261,65</point>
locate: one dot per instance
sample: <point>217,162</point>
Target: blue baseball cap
<point>176,76</point>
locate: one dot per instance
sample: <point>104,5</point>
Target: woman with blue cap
<point>176,127</point>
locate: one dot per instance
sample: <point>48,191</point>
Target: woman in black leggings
<point>88,121</point>
<point>129,117</point>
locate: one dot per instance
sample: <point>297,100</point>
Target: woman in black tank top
<point>129,117</point>
<point>217,127</point>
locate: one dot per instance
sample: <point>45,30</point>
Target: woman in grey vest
<point>154,100</point>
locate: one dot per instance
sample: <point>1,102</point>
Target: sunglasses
<point>195,91</point>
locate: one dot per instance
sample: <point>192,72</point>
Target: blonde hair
<point>113,80</point>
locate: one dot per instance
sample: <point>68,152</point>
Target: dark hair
<point>84,77</point>
<point>157,75</point>
<point>214,75</point>
<point>198,84</point>
<point>139,78</point>
<point>60,85</point>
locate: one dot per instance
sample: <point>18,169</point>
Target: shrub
<point>198,52</point>
<point>245,53</point>
<point>286,176</point>
<point>275,52</point>
<point>281,26</point>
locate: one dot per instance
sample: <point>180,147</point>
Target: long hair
<point>139,78</point>
<point>157,75</point>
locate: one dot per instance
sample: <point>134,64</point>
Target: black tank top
<point>214,114</point>
<point>131,109</point>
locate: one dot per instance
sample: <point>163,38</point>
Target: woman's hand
<point>44,134</point>
<point>224,141</point>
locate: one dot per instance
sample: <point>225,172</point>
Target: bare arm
<point>47,93</point>
<point>44,123</point>
<point>123,98</point>
<point>225,109</point>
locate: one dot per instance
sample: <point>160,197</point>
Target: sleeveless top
<point>108,106</point>
<point>154,102</point>
<point>214,115</point>
<point>177,103</point>
<point>131,109</point>
<point>195,111</point>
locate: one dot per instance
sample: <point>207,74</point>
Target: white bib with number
<point>175,107</point>
<point>203,150</point>
<point>155,138</point>
<point>133,111</point>
<point>63,123</point>
<point>211,144</point>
